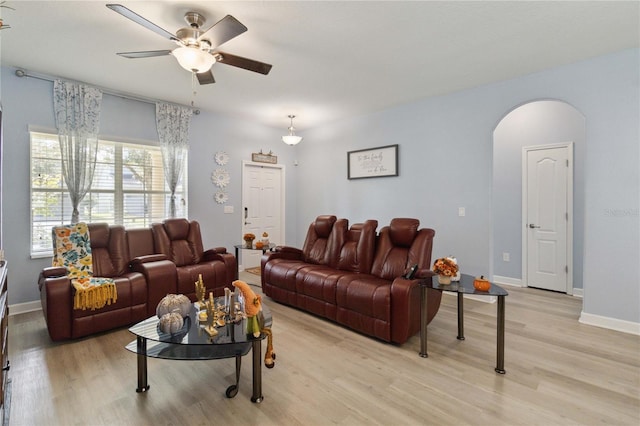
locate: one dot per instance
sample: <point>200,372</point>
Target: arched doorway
<point>534,124</point>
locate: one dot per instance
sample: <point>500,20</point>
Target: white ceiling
<point>331,59</point>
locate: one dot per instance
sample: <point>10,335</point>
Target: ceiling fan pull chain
<point>193,87</point>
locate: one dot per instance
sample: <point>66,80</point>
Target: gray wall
<point>446,162</point>
<point>535,123</point>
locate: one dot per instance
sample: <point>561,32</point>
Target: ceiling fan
<point>196,51</point>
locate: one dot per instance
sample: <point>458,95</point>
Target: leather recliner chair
<point>368,303</point>
<point>180,240</point>
<point>285,262</point>
<point>110,260</point>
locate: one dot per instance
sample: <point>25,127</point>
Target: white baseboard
<point>23,308</point>
<point>610,323</point>
<point>515,282</point>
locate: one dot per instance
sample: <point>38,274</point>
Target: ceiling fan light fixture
<point>191,58</point>
<point>291,138</point>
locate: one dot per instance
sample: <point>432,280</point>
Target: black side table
<point>462,287</point>
<point>239,247</point>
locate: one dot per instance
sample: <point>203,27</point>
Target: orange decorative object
<point>259,245</point>
<point>481,284</point>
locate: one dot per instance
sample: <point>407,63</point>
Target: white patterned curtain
<point>173,124</point>
<point>77,110</point>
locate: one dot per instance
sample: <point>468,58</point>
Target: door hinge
<point>566,268</point>
<point>567,163</point>
<point>566,216</point>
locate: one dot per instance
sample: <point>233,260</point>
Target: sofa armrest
<point>56,296</point>
<point>424,273</point>
<point>229,260</point>
<point>213,254</point>
<point>288,251</point>
<point>405,308</point>
<point>148,258</point>
<point>406,321</point>
<point>53,271</point>
<point>161,277</point>
<point>283,252</point>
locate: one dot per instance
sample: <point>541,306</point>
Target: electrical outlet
<point>228,209</point>
<point>461,211</point>
<point>506,257</point>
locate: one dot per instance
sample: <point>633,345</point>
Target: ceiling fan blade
<point>206,77</point>
<point>127,13</point>
<point>144,54</point>
<point>240,62</point>
<point>223,31</point>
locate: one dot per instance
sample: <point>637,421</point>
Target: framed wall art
<point>373,162</point>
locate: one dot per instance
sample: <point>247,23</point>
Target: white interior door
<point>547,218</point>
<point>263,207</point>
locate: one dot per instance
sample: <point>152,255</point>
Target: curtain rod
<point>44,77</point>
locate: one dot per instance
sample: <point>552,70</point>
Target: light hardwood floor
<point>558,372</point>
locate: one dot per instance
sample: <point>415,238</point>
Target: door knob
<point>532,226</point>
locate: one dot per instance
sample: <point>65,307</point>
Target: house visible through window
<point>128,189</point>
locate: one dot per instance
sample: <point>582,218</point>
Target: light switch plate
<point>228,209</point>
<point>461,211</point>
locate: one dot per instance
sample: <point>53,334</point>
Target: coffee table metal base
<point>163,350</point>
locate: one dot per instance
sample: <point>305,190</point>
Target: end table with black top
<point>462,287</point>
<point>192,343</point>
<point>239,247</point>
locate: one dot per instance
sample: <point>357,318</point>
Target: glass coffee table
<point>192,342</point>
<point>462,287</point>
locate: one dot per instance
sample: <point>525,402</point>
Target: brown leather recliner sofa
<point>354,277</point>
<point>146,264</point>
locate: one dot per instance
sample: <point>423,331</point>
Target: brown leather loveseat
<point>145,268</point>
<point>354,277</point>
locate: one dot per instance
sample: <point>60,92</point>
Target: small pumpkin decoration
<point>171,323</point>
<point>481,284</point>
<point>259,245</point>
<point>174,303</point>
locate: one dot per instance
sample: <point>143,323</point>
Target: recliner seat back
<point>180,240</point>
<point>317,248</point>
<point>109,250</point>
<point>356,254</point>
<point>400,246</point>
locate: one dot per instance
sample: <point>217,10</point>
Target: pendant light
<point>291,138</point>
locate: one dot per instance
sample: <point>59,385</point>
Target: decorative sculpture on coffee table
<point>200,291</point>
<point>211,310</point>
<point>255,320</point>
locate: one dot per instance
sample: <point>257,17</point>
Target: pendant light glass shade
<point>291,138</point>
<point>193,59</point>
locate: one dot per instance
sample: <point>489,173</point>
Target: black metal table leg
<point>423,321</point>
<point>500,338</point>
<point>141,344</point>
<point>256,348</point>
<point>233,389</point>
<point>237,265</point>
<point>460,316</point>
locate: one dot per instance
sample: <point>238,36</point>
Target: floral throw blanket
<point>72,250</point>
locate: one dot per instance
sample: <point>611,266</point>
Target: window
<point>128,189</point>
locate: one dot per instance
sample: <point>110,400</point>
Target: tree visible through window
<point>128,189</point>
